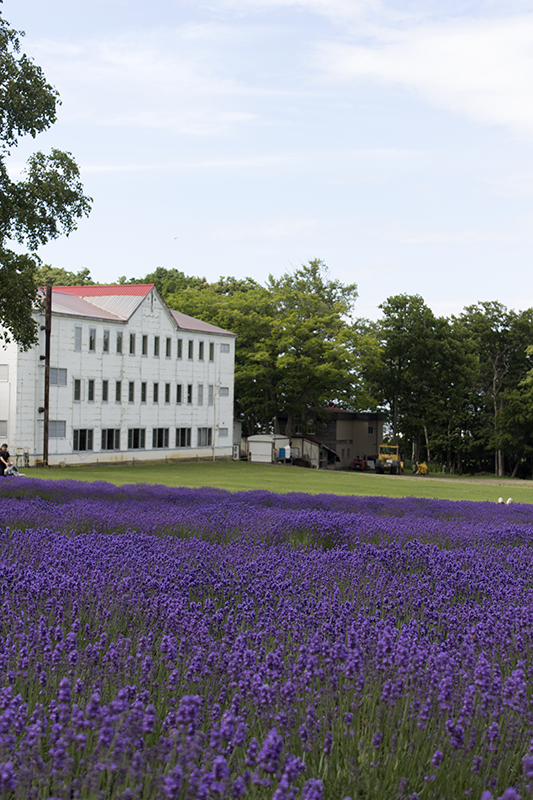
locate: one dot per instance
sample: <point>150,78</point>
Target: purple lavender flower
<point>312,790</point>
<point>270,752</point>
<point>172,783</point>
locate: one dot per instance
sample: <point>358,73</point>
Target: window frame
<point>89,440</point>
<point>78,340</point>
<point>141,437</point>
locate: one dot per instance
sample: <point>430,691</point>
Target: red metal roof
<point>131,290</point>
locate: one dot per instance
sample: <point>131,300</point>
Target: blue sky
<point>392,139</point>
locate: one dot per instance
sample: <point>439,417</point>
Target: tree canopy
<point>45,203</point>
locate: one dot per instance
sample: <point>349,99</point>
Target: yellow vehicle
<point>389,459</point>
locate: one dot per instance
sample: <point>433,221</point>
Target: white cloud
<point>275,229</point>
<point>480,69</point>
<point>329,8</point>
<point>170,79</point>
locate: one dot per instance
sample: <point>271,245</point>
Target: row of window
<point>182,393</point>
<point>84,439</point>
<point>156,345</point>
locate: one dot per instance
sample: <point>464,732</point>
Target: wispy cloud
<point>174,79</point>
<point>273,229</point>
<point>479,69</point>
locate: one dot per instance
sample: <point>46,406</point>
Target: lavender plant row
<point>200,644</point>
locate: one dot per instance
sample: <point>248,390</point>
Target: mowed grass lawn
<point>242,476</point>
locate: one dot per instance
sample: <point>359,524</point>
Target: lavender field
<point>178,643</point>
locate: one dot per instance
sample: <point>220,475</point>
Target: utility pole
<point>48,336</point>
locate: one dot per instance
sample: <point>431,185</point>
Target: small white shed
<point>263,448</point>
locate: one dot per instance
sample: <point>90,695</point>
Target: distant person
<point>5,459</point>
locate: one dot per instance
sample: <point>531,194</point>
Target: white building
<point>129,378</point>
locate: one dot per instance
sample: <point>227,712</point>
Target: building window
<point>189,394</point>
<point>136,438</point>
<point>224,348</point>
<point>155,396</point>
<point>180,348</point>
<point>131,392</point>
<point>222,432</point>
<point>190,353</point>
<point>77,390</point>
<point>119,342</point>
<point>160,437</point>
<point>200,351</point>
<point>77,338</point>
<point>200,394</point>
<point>57,429</point>
<point>132,344</point>
<point>224,392</point>
<point>178,392</point>
<point>167,392</point>
<point>82,439</point>
<point>145,345</point>
<point>90,390</point>
<point>370,430</point>
<point>143,392</point>
<point>156,346</point>
<point>210,394</point>
<point>58,376</point>
<point>92,340</point>
<point>211,351</point>
<point>111,439</point>
<point>205,437</point>
<point>183,437</point>
<point>106,342</point>
<point>118,391</point>
<point>168,347</point>
<point>105,391</point>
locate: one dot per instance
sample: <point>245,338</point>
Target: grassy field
<point>242,476</point>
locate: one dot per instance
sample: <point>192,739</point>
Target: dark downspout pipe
<point>48,336</point>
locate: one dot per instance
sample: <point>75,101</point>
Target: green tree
<point>313,340</point>
<point>403,372</point>
<point>294,349</point>
<point>501,338</point>
<point>167,281</point>
<point>45,203</point>
<point>62,277</point>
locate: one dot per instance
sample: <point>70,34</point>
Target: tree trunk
<point>394,419</point>
<point>289,425</point>
<point>515,470</point>
<point>427,444</point>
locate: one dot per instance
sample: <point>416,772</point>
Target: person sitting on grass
<point>5,459</point>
